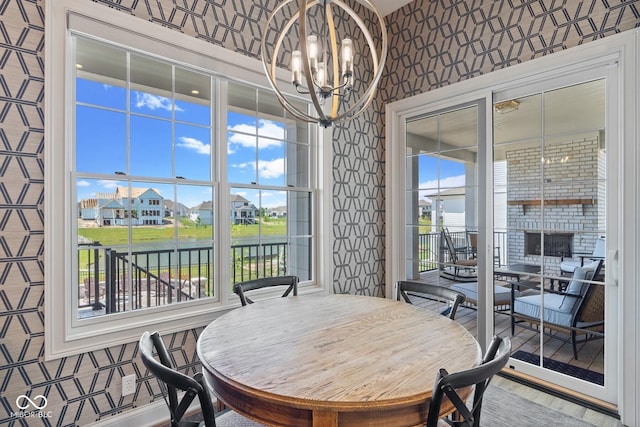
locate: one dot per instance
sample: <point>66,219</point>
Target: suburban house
<point>242,210</point>
<point>424,208</point>
<point>175,210</point>
<point>202,213</point>
<point>143,205</point>
<point>278,212</point>
<point>192,72</point>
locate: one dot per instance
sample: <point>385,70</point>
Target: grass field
<point>187,230</point>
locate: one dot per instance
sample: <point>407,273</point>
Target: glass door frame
<point>608,54</point>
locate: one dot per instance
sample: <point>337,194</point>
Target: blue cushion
<point>576,286</point>
<point>501,294</point>
<point>556,309</point>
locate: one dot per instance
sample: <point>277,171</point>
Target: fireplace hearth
<point>555,244</point>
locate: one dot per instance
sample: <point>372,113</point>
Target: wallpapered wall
<point>432,44</point>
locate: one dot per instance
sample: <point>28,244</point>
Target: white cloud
<point>83,183</point>
<point>271,168</point>
<point>273,200</point>
<point>244,165</point>
<point>104,183</point>
<point>195,145</point>
<point>431,187</point>
<point>153,102</point>
<point>266,128</point>
<point>267,169</point>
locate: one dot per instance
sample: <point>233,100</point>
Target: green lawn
<point>424,225</point>
<point>187,230</point>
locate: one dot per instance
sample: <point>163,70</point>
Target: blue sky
<point>436,174</point>
<point>255,147</point>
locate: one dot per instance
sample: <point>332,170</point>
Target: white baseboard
<point>150,415</point>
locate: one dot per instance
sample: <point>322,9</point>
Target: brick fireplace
<point>555,244</point>
<point>571,189</point>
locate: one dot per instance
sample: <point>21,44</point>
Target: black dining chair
<point>291,282</point>
<point>405,288</point>
<point>495,358</point>
<point>171,381</point>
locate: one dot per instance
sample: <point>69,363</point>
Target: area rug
<point>563,368</point>
<point>501,407</point>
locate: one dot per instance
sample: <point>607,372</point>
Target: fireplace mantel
<point>552,202</point>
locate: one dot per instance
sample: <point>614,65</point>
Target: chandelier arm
<point>302,23</point>
<point>334,57</point>
<point>271,73</point>
<point>378,64</point>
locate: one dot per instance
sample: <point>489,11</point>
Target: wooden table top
<point>326,360</point>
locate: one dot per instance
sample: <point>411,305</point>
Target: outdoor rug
<point>563,368</point>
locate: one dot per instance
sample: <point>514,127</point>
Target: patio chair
<point>457,263</point>
<point>579,310</point>
<point>446,386</point>
<point>171,380</point>
<point>501,294</point>
<point>291,282</point>
<point>432,292</point>
<point>567,266</point>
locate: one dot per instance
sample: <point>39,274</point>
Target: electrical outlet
<point>128,384</point>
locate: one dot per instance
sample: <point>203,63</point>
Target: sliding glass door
<point>550,213</point>
<point>508,199</point>
<point>441,207</point>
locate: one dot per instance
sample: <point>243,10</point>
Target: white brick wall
<point>569,170</point>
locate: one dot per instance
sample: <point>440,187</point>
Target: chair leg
<point>575,346</point>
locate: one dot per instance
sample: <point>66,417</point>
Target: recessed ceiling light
<point>79,66</point>
<point>506,106</point>
<point>195,92</point>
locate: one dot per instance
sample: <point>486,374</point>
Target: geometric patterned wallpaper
<point>432,44</point>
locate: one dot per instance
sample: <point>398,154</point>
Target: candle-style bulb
<point>296,67</point>
<point>312,50</point>
<point>321,76</point>
<point>346,56</point>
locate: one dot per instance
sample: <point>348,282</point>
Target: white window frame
<point>64,335</point>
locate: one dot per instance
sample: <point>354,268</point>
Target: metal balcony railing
<point>115,281</point>
<point>112,281</point>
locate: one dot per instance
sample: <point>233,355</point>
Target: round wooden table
<point>332,360</point>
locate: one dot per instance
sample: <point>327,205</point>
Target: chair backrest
<point>599,248</point>
<point>448,242</point>
<point>473,241</point>
<point>426,290</point>
<point>578,288</point>
<point>291,282</point>
<point>591,306</point>
<point>173,380</point>
<point>495,358</point>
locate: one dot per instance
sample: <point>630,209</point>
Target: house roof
<point>203,206</point>
<point>238,198</point>
<point>112,204</point>
<point>88,203</point>
<point>134,193</point>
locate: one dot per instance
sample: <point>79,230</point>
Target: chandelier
<point>320,68</point>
